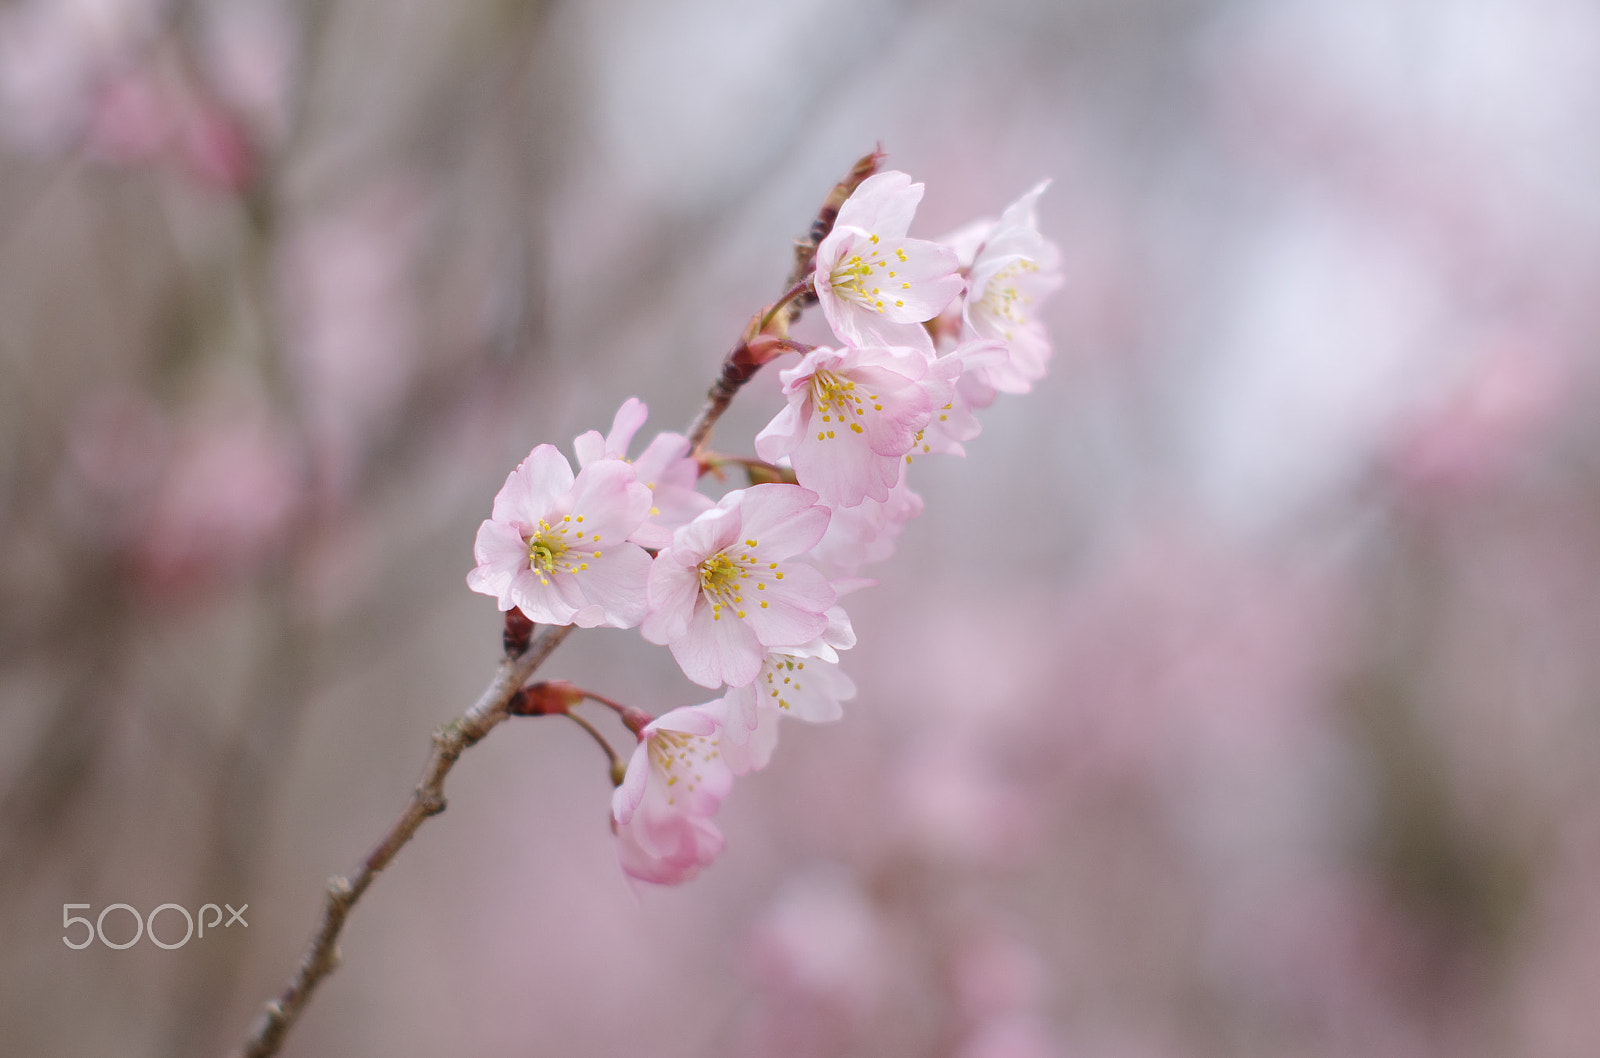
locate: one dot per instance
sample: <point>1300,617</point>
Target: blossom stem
<point>802,286</point>
<point>759,471</point>
<point>616,763</point>
<point>636,719</point>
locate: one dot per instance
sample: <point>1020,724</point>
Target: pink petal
<point>610,501</point>
<point>796,607</point>
<point>671,590</point>
<point>882,205</point>
<point>617,581</point>
<point>784,520</point>
<point>718,651</point>
<point>624,425</point>
<point>531,491</point>
<point>542,601</point>
<point>922,284</point>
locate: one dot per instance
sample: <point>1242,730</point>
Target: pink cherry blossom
<point>875,285</point>
<point>1010,269</point>
<point>852,416</point>
<point>730,588</point>
<point>664,467</point>
<point>802,682</point>
<point>808,689</point>
<point>555,546</point>
<point>675,783</point>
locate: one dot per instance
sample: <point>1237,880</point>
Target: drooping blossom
<point>852,416</point>
<point>664,467</point>
<point>1011,267</point>
<point>555,546</point>
<point>730,587</point>
<point>875,285</point>
<point>675,782</point>
<point>803,682</point>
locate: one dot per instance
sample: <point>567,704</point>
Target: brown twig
<point>449,742</point>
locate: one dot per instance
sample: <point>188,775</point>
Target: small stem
<point>635,719</point>
<point>611,755</point>
<point>616,707</point>
<point>802,286</point>
<point>758,470</point>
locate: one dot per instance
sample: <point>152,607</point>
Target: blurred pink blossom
<point>227,498</point>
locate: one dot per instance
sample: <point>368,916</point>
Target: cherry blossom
<point>1010,267</point>
<point>875,285</point>
<point>852,416</point>
<point>664,467</point>
<point>675,782</point>
<point>803,682</point>
<point>729,588</point>
<point>805,688</point>
<point>555,546</point>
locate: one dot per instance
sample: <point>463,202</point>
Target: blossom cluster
<point>745,590</point>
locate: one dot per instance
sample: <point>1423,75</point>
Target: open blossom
<point>675,782</point>
<point>555,546</point>
<point>875,285</point>
<point>809,689</point>
<point>730,587</point>
<point>852,416</point>
<point>1010,268</point>
<point>803,682</point>
<point>664,467</point>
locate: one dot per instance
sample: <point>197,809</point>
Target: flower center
<point>782,673</point>
<point>549,545</point>
<point>1002,300</point>
<point>719,580</point>
<point>853,277</point>
<point>833,396</point>
<point>679,756</point>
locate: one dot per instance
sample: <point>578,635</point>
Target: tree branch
<point>427,800</point>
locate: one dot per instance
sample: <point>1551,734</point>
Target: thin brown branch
<point>427,800</point>
<point>618,766</point>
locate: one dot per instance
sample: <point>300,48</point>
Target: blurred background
<point>1265,722</point>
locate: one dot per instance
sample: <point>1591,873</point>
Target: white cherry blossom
<point>875,285</point>
<point>730,587</point>
<point>555,546</point>
<point>1011,268</point>
<point>852,416</point>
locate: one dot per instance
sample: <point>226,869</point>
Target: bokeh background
<point>1239,694</point>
